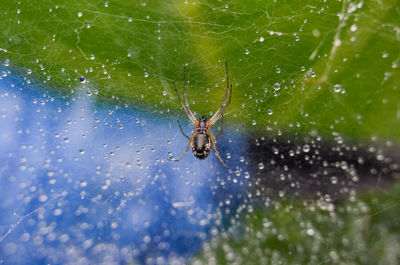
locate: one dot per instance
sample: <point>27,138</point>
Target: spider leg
<point>209,133</point>
<point>222,127</point>
<point>188,113</point>
<point>218,114</point>
<point>182,130</point>
<point>184,93</point>
<point>187,149</point>
<point>224,105</point>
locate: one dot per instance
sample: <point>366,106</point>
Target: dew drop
<point>82,79</point>
<point>164,93</point>
<point>277,86</point>
<point>337,88</point>
<point>43,198</point>
<point>146,74</point>
<point>261,39</point>
<point>261,165</point>
<point>246,51</point>
<point>306,148</point>
<point>57,212</point>
<point>334,180</point>
<point>310,232</point>
<point>270,112</point>
<point>253,122</point>
<point>79,14</point>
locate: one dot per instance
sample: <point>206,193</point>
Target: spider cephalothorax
<point>202,138</point>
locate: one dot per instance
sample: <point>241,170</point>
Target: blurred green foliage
<point>363,230</point>
<point>336,61</point>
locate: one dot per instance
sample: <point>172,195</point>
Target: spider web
<point>89,113</point>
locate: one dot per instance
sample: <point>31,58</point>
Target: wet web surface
<point>88,125</point>
<point>92,184</point>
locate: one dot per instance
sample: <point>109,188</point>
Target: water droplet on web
<point>114,225</point>
<point>334,180</point>
<point>266,222</point>
<point>82,151</point>
<point>79,14</point>
<point>164,93</point>
<point>92,57</point>
<point>82,79</point>
<point>146,239</point>
<point>353,28</point>
<point>385,55</point>
<point>106,4</point>
<point>270,112</point>
<point>29,71</point>
<point>43,198</point>
<point>261,39</point>
<point>275,150</point>
<point>83,183</point>
<point>278,70</point>
<point>277,86</point>
<point>337,88</point>
<point>306,148</point>
<point>253,122</point>
<point>310,232</point>
<point>246,51</point>
<point>146,74</point>
<point>261,165</point>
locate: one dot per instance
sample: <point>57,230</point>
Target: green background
<point>307,48</point>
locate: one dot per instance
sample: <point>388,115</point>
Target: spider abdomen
<point>201,145</point>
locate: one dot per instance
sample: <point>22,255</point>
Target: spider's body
<point>201,143</point>
<point>202,138</point>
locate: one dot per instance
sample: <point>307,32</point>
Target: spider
<point>202,137</point>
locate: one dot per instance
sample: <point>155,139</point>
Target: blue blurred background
<point>90,183</point>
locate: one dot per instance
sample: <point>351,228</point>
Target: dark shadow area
<point>313,168</point>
